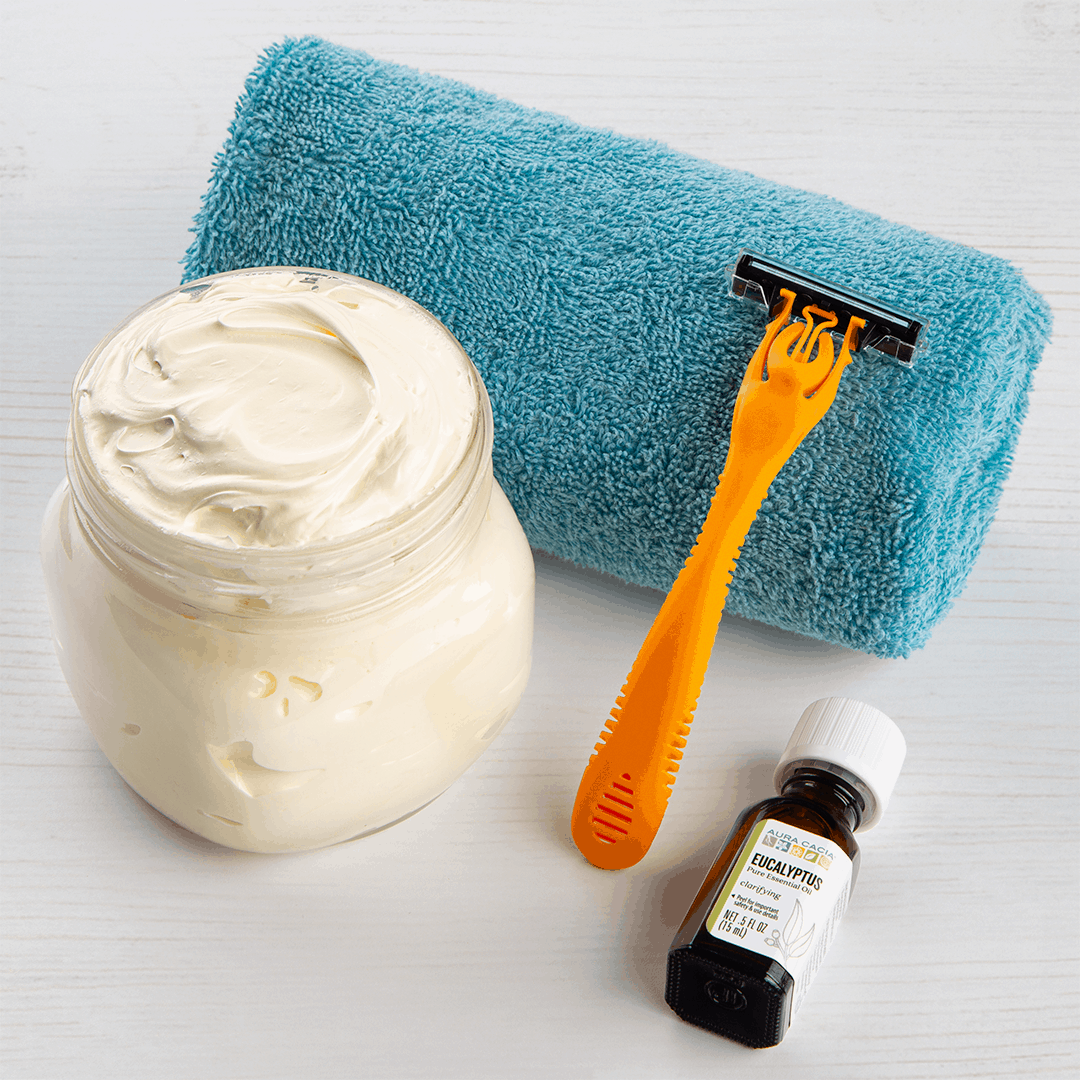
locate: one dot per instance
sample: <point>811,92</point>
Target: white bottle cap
<point>857,738</point>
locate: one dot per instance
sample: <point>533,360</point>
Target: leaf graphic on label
<point>800,946</point>
<point>794,944</point>
<point>794,925</point>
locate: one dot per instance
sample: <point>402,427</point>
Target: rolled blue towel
<point>584,273</point>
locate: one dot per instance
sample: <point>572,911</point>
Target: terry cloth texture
<point>584,273</point>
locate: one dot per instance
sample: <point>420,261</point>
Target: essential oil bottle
<point>767,911</point>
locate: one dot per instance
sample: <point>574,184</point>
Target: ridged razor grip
<point>626,785</point>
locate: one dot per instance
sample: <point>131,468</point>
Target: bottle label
<point>784,898</point>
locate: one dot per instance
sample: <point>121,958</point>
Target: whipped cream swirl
<point>276,409</point>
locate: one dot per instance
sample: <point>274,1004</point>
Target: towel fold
<point>584,273</point>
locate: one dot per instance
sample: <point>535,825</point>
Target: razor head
<point>888,330</point>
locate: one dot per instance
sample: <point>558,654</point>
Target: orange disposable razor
<point>788,386</point>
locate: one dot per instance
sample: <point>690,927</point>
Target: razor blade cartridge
<point>888,329</point>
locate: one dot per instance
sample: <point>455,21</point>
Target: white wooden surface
<point>473,941</point>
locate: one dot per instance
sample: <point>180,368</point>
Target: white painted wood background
<point>473,941</point>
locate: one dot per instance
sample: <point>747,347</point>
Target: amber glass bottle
<point>767,911</point>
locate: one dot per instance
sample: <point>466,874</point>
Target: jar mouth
<point>363,569</point>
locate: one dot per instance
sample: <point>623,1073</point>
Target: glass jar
<point>279,698</point>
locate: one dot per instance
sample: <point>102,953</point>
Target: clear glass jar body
<point>283,701</point>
